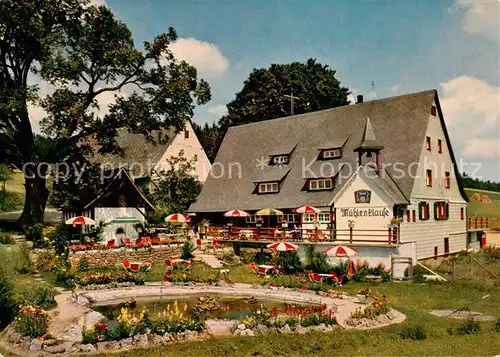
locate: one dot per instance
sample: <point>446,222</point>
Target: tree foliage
<point>85,53</point>
<point>488,185</point>
<point>210,137</point>
<point>264,93</point>
<point>175,188</point>
<point>264,96</point>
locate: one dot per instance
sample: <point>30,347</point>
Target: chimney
<point>359,99</point>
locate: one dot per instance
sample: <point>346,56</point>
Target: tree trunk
<point>37,195</point>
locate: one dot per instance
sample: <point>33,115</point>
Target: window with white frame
<point>268,187</point>
<point>252,218</point>
<point>308,218</point>
<point>280,159</point>
<point>290,218</point>
<point>320,184</point>
<point>332,153</point>
<point>324,217</point>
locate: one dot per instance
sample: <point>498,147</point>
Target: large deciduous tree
<point>266,95</point>
<point>84,52</point>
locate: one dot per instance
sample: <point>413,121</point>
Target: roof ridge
<point>296,116</point>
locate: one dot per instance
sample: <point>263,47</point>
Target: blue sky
<point>403,46</point>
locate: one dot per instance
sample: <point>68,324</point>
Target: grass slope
<point>480,209</point>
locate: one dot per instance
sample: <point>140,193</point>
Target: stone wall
<point>113,257</point>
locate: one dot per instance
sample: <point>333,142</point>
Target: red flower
<point>98,338</point>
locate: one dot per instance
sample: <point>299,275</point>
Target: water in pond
<point>231,307</point>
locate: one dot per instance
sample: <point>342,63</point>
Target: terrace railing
<point>477,223</point>
<point>378,236</point>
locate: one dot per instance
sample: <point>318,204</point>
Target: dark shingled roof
<point>399,123</point>
<point>139,155</point>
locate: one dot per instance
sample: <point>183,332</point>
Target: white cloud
<point>482,148</point>
<point>472,112</point>
<point>218,110</point>
<point>481,17</point>
<point>205,56</point>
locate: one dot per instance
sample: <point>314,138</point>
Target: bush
<point>290,262</point>
<point>6,303</point>
<point>363,269</point>
<point>29,292</point>
<point>45,261</point>
<point>469,327</point>
<point>6,238</point>
<point>186,251</point>
<point>22,261</point>
<point>31,322</point>
<point>497,326</point>
<point>415,333</point>
<point>60,237</point>
<point>9,201</point>
<point>83,265</point>
<point>316,261</point>
<point>34,234</point>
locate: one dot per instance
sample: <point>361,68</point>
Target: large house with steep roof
<point>142,157</point>
<point>361,164</point>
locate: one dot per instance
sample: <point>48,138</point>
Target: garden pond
<point>216,306</point>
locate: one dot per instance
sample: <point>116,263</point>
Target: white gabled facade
<point>435,237</point>
<point>187,142</point>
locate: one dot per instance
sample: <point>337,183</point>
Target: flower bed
<point>145,244</point>
<point>31,321</point>
<point>174,320</point>
<point>376,311</point>
<point>108,278</point>
<point>291,315</point>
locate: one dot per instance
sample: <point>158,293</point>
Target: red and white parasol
<point>177,218</point>
<point>307,209</point>
<point>80,221</point>
<point>236,213</point>
<point>340,251</point>
<point>282,246</point>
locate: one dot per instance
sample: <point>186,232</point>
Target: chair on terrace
<point>127,242</point>
<point>134,267</point>
<point>111,243</point>
<point>126,264</point>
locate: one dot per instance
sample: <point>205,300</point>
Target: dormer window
<point>280,159</point>
<point>331,153</point>
<point>268,187</point>
<point>320,184</point>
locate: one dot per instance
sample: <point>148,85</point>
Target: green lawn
<point>415,300</point>
<point>481,209</point>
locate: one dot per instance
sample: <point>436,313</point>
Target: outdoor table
<point>263,269</point>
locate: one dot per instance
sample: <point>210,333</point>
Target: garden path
<point>209,259</point>
<point>68,319</point>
